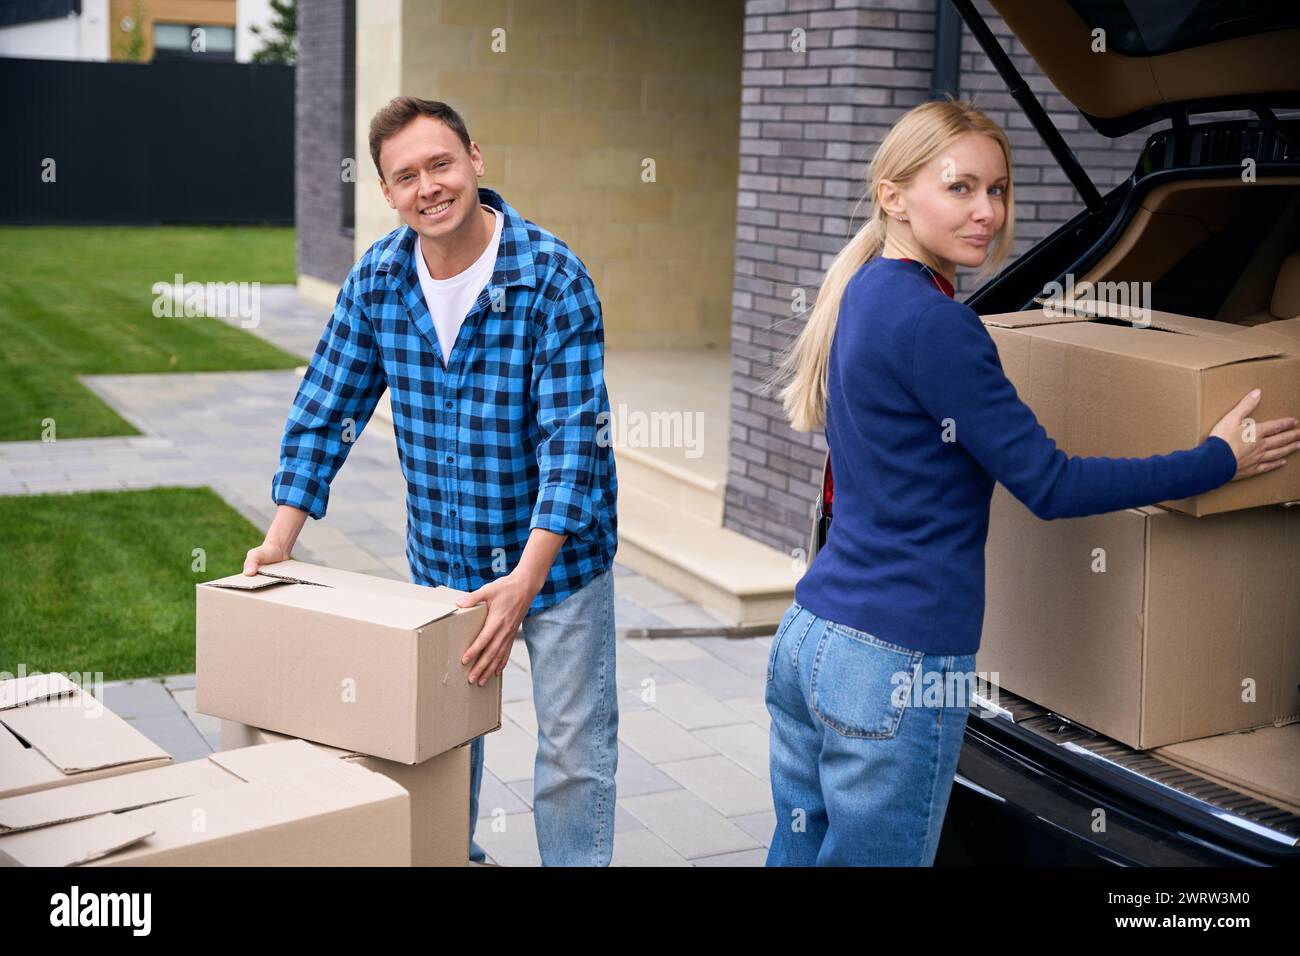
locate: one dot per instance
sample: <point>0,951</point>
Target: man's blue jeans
<point>864,743</point>
<point>571,655</point>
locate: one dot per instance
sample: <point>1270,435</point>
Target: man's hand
<point>263,554</point>
<point>280,539</point>
<point>507,599</point>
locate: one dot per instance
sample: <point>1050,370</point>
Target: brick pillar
<point>322,106</point>
<point>808,122</point>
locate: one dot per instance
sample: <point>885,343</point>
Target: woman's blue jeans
<point>864,743</point>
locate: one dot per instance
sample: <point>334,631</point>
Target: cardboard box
<point>1101,386</point>
<point>1190,619</point>
<point>1263,763</point>
<point>283,804</point>
<point>348,660</point>
<point>53,733</point>
<point>439,790</point>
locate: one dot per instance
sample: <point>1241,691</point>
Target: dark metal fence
<point>98,143</point>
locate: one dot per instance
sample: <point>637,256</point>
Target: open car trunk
<point>1218,249</point>
<point>1125,64</point>
<point>1240,788</point>
<point>1215,242</point>
<point>1226,250</point>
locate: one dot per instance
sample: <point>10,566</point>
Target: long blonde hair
<point>921,134</point>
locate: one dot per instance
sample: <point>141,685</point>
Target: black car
<point>1030,783</point>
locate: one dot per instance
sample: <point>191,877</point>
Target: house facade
<point>132,30</point>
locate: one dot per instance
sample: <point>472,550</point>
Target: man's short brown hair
<point>400,111</point>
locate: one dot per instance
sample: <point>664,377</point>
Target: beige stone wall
<point>584,92</point>
<point>379,79</point>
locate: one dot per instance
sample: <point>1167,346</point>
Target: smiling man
<point>486,330</point>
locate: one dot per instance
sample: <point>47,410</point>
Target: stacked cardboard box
<point>365,670</point>
<point>1262,763</point>
<point>1149,386</point>
<point>348,660</point>
<point>1154,625</point>
<point>367,667</point>
<point>280,804</point>
<point>439,790</point>
<point>54,733</point>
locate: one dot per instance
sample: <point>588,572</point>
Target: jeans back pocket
<point>860,685</point>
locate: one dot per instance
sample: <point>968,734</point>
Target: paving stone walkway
<point>692,776</point>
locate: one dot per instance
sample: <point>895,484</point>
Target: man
<point>486,330</point>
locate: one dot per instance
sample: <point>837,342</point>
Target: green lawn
<point>80,300</point>
<point>103,580</point>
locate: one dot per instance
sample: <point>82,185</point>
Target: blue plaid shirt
<point>501,441</point>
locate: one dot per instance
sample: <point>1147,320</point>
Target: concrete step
<point>677,488</point>
<point>746,582</point>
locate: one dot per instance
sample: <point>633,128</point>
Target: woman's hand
<point>1263,446</point>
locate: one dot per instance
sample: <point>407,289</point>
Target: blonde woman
<point>867,673</point>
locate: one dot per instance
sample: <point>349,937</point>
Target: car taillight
<point>828,490</point>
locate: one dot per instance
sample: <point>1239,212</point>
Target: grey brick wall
<point>809,123</point>
<point>323,107</point>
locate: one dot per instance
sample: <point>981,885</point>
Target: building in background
<point>132,30</point>
<point>54,29</point>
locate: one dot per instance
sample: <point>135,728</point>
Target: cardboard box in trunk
<point>1263,763</point>
<point>439,789</point>
<point>1101,386</point>
<point>283,804</point>
<point>1144,625</point>
<point>53,733</point>
<point>348,660</point>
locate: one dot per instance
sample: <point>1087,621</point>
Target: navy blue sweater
<point>921,420</point>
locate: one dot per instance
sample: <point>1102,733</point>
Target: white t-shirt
<point>449,300</point>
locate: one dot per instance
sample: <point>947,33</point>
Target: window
<point>193,41</point>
